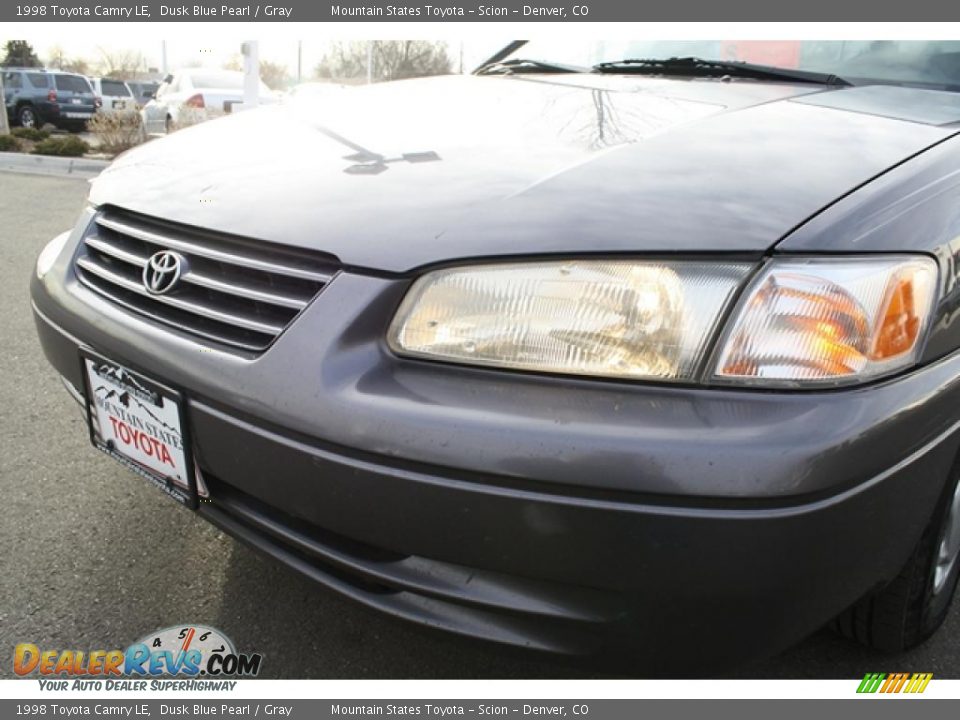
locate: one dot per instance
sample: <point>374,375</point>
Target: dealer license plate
<point>139,422</point>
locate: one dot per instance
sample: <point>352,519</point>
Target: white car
<point>191,96</point>
<point>115,95</point>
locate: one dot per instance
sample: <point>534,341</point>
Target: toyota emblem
<point>162,272</point>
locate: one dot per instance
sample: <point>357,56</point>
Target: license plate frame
<point>149,398</point>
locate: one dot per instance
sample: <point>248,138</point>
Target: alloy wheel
<point>948,548</point>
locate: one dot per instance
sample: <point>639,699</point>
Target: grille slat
<point>132,286</point>
<point>120,253</point>
<point>244,291</point>
<point>233,290</point>
<point>191,276</point>
<point>191,248</point>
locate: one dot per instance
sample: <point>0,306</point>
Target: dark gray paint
<point>760,515</point>
<point>525,168</point>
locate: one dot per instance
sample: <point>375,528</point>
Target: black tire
<point>27,117</point>
<point>909,610</point>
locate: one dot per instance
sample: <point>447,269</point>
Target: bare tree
<point>392,60</point>
<point>60,60</point>
<point>121,64</point>
<point>274,75</point>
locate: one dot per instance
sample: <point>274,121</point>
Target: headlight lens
<point>609,318</point>
<point>829,321</point>
<point>51,251</point>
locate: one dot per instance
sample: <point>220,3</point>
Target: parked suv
<point>34,96</point>
<point>115,95</point>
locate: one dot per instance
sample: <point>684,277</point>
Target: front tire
<point>909,610</point>
<point>27,117</point>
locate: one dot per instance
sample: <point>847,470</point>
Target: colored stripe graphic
<point>913,683</point>
<point>870,683</point>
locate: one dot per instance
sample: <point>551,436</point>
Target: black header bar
<point>487,11</point>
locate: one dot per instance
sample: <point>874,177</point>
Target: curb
<point>83,168</point>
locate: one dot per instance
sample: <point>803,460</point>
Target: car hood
<point>401,175</point>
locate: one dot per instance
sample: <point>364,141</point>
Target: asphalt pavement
<point>92,557</point>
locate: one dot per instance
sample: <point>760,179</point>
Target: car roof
<point>207,71</point>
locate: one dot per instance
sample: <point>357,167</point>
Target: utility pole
<point>163,57</point>
<point>4,125</point>
<point>251,74</point>
<point>369,62</point>
<point>299,61</point>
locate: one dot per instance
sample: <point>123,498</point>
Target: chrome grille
<point>234,291</point>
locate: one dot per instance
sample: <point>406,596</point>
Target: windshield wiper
<point>699,67</point>
<point>523,65</point>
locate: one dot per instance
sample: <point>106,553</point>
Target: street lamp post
<point>4,125</point>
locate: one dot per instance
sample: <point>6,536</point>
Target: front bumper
<point>691,527</point>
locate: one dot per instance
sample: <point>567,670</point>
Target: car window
<point>39,80</point>
<point>72,83</point>
<point>175,85</point>
<point>114,87</point>
<point>12,81</point>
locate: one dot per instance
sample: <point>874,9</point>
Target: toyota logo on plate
<point>162,272</point>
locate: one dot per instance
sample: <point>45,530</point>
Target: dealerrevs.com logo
<point>888,683</point>
<point>182,651</point>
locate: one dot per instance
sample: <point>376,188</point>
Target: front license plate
<point>77,115</point>
<point>139,422</point>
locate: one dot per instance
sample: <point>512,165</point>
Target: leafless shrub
<point>117,131</point>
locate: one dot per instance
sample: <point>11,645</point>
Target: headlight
<point>829,321</point>
<point>610,318</point>
<point>48,256</point>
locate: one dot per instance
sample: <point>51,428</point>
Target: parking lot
<point>93,557</point>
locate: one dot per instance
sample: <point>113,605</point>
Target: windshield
<point>890,61</point>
